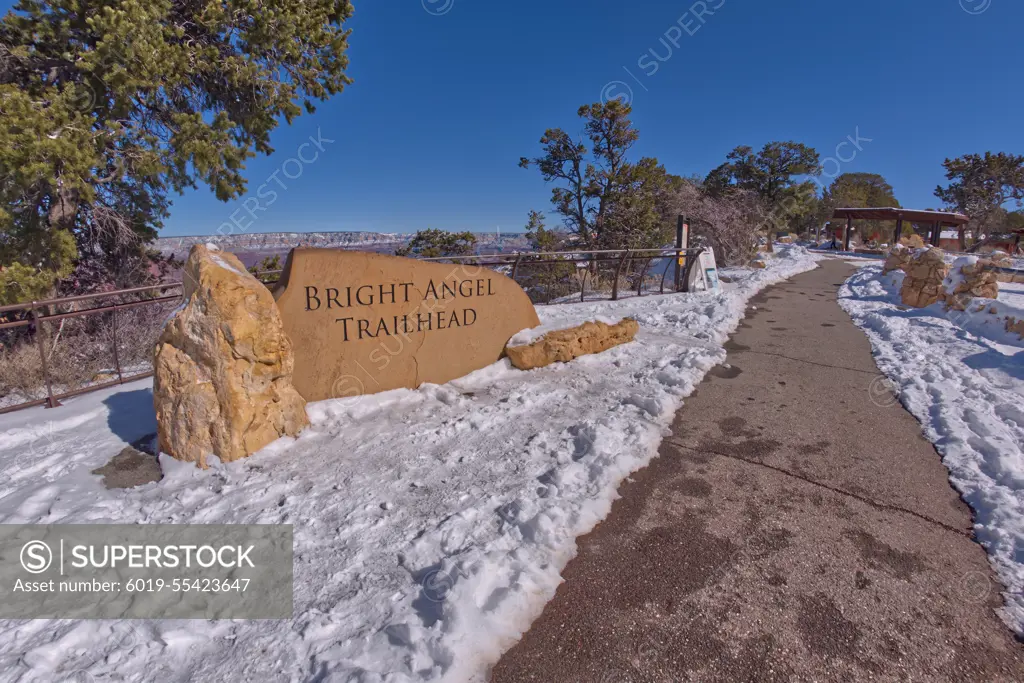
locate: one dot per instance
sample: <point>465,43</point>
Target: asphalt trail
<point>796,526</point>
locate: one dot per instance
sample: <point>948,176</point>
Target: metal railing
<point>41,365</point>
<point>19,322</point>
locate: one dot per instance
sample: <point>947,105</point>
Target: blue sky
<point>450,93</point>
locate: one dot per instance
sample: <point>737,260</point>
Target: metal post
<point>665,273</point>
<point>643,275</point>
<point>618,272</point>
<point>683,273</point>
<point>846,237</point>
<point>51,402</point>
<point>117,359</point>
<point>682,239</point>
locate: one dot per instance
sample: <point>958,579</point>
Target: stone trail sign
<point>361,323</point>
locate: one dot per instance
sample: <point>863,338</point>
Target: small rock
<point>130,468</point>
<point>562,346</point>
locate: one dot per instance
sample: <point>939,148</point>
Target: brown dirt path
<point>769,542</point>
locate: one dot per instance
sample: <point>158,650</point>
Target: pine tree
<point>605,200</point>
<point>109,106</point>
<point>434,243</point>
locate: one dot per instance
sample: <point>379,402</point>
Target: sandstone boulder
<point>970,278</point>
<point>223,366</point>
<point>562,346</point>
<point>1000,259</point>
<point>898,258</point>
<point>1015,326</point>
<point>926,272</point>
<point>913,241</point>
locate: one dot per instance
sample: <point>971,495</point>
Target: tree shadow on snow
<point>130,414</point>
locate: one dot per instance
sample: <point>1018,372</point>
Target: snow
<point>431,525</point>
<point>962,376</point>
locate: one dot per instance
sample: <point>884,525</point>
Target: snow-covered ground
<point>430,526</point>
<point>962,376</point>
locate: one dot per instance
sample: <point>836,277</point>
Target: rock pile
<point>923,284</point>
<point>970,278</point>
<point>898,258</point>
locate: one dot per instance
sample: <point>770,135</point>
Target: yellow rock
<point>979,281</point>
<point>1016,326</point>
<point>562,346</point>
<point>922,285</point>
<point>897,259</point>
<point>223,366</point>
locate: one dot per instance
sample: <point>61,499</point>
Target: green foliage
<point>30,265</point>
<point>434,243</point>
<point>981,185</point>
<point>266,270</point>
<point>771,174</point>
<point>545,281</point>
<point>540,236</point>
<point>862,190</point>
<point>604,199</point>
<point>1014,221</point>
<point>111,105</point>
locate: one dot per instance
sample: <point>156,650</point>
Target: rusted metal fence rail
<point>58,348</point>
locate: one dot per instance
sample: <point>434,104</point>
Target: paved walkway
<point>797,526</point>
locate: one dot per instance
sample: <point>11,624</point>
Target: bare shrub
<point>80,351</point>
<point>730,225</point>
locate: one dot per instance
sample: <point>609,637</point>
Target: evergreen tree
<point>772,175</point>
<point>434,243</point>
<point>109,106</point>
<point>863,190</point>
<point>540,236</point>
<point>981,185</point>
<point>605,200</point>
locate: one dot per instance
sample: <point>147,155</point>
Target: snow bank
<point>962,376</point>
<point>431,526</point>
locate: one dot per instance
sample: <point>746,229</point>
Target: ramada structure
<point>936,219</point>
